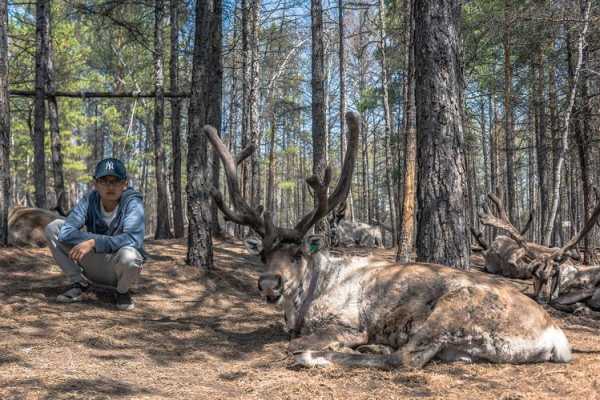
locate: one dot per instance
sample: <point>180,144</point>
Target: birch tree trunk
<point>565,137</point>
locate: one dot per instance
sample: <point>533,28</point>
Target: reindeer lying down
<point>338,307</point>
<point>570,287</point>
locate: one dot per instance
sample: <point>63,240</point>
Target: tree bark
<point>387,115</point>
<point>163,225</point>
<point>405,239</point>
<point>176,122</point>
<point>5,186</point>
<point>541,145</point>
<point>214,86</point>
<point>565,137</point>
<point>205,107</point>
<point>508,116</point>
<point>342,73</point>
<point>57,158</point>
<point>441,191</point>
<point>319,118</point>
<point>41,74</point>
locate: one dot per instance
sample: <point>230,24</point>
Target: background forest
<point>120,75</point>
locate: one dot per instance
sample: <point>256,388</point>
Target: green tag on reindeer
<point>313,247</point>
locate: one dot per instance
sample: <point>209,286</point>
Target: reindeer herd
<point>358,311</point>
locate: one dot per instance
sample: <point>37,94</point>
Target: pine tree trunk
<point>342,73</point>
<point>163,225</point>
<point>405,242</point>
<point>214,87</point>
<point>205,107</point>
<point>319,118</point>
<point>541,145</point>
<point>387,115</point>
<point>508,117</point>
<point>441,186</point>
<point>5,187</point>
<point>176,121</point>
<point>57,158</point>
<point>253,93</point>
<point>272,165</point>
<point>41,74</point>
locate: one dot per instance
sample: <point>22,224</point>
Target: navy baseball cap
<point>111,167</point>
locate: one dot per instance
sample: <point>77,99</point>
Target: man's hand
<point>78,252</point>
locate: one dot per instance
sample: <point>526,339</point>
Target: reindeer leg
<point>328,340</point>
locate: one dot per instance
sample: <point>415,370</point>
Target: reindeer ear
<point>313,244</point>
<point>254,246</point>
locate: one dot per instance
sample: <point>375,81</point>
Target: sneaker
<point>72,294</point>
<point>124,301</point>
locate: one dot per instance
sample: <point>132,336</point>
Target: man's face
<point>110,187</point>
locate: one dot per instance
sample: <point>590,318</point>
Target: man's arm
<point>133,231</point>
<point>70,232</point>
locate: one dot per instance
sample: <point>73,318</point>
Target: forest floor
<point>197,335</point>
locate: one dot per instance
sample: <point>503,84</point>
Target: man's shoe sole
<point>125,307</point>
<point>64,299</point>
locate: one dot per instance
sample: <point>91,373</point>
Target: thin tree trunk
<point>57,158</point>
<point>319,118</point>
<point>405,242</point>
<point>272,166</point>
<point>163,225</point>
<point>387,114</point>
<point>214,86</point>
<point>176,121</point>
<point>342,73</point>
<point>41,73</point>
<point>508,117</point>
<point>253,94</point>
<point>565,137</point>
<point>441,186</point>
<point>5,186</point>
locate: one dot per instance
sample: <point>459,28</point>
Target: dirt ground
<point>197,335</point>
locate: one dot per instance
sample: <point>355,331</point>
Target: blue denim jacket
<point>126,229</point>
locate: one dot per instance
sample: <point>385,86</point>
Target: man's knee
<point>130,257</point>
<point>53,228</point>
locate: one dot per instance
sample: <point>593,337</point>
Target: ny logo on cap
<point>110,166</point>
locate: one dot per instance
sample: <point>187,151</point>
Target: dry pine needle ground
<point>196,335</point>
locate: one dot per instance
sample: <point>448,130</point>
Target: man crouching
<point>110,252</point>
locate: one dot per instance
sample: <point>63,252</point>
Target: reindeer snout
<point>271,286</point>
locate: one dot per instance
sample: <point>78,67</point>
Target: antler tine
<point>502,221</point>
<point>324,203</point>
<point>577,238</point>
<point>247,152</point>
<point>243,213</point>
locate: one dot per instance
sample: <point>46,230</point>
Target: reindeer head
<point>286,252</point>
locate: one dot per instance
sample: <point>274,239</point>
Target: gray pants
<point>115,270</point>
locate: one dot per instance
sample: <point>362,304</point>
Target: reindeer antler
<point>486,217</point>
<point>243,214</point>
